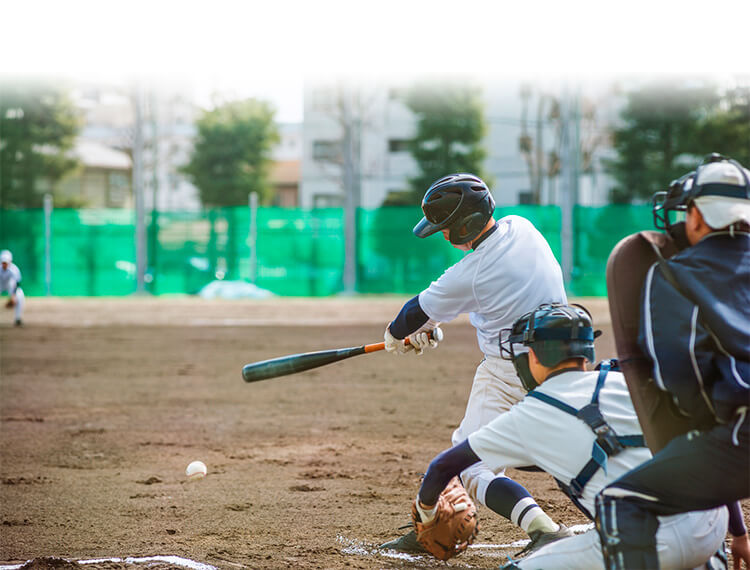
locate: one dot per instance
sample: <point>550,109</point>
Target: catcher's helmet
<point>461,203</point>
<point>556,332</point>
<point>717,176</point>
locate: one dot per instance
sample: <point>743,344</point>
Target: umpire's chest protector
<point>707,375</point>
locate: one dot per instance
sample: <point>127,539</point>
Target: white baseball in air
<point>196,470</point>
<point>438,334</point>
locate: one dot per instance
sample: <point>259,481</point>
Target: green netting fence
<point>298,252</point>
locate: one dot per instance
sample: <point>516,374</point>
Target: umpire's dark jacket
<point>709,378</point>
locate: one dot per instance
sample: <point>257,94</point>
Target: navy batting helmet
<point>556,332</point>
<point>460,203</point>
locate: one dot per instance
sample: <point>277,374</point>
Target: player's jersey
<point>9,278</point>
<point>561,444</point>
<point>510,273</point>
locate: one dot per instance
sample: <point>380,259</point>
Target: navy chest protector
<point>607,442</point>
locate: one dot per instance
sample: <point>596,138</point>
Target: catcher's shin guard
<point>627,534</point>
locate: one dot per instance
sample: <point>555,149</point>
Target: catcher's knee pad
<point>627,533</point>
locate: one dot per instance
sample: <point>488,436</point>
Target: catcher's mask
<point>556,332</point>
<point>716,175</point>
<point>460,203</point>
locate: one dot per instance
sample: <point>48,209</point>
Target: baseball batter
<point>509,269</point>
<point>695,329</point>
<point>580,427</point>
<point>10,278</point>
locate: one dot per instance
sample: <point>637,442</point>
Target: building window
<point>326,150</point>
<point>398,145</point>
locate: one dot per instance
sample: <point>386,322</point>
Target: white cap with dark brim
<point>722,211</point>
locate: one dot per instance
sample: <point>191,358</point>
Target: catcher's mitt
<point>455,525</point>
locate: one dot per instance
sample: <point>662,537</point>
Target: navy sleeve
<point>443,468</point>
<point>409,319</point>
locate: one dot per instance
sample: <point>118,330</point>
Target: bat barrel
<point>286,365</point>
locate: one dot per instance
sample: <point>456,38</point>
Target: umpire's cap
<point>460,203</point>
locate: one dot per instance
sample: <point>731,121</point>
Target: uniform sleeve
<point>451,295</point>
<point>409,319</point>
<point>499,444</point>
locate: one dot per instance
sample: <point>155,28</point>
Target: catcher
<point>579,426</point>
<point>10,277</point>
<point>686,359</point>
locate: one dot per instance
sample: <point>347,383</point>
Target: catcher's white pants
<point>683,541</point>
<point>495,389</point>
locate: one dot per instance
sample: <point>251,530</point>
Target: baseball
<point>196,470</point>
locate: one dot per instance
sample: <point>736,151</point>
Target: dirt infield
<point>105,402</point>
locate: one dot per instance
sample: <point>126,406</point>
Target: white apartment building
<point>385,123</point>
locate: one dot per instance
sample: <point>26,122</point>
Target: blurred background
<point>273,179</point>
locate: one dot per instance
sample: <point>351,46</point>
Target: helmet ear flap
<point>466,228</point>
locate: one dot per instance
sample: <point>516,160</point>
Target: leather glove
<point>451,527</point>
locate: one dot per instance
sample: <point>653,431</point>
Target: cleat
<point>18,323</point>
<point>406,543</point>
<point>540,539</point>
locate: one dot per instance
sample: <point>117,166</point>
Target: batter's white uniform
<point>536,433</point>
<point>9,280</point>
<point>510,273</point>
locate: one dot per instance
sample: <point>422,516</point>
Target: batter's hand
<point>394,345</point>
<point>423,339</point>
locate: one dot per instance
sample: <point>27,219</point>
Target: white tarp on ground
<point>233,290</point>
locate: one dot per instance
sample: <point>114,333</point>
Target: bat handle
<point>381,345</point>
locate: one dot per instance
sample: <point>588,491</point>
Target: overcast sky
<point>267,48</point>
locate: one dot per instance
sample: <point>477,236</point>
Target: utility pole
<point>140,227</point>
<point>153,228</point>
<point>351,143</point>
<point>569,172</point>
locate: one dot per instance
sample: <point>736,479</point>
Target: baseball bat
<point>294,363</point>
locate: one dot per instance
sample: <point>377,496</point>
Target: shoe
<point>406,543</point>
<point>18,323</point>
<point>539,539</point>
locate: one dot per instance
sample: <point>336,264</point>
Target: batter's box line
<point>176,560</point>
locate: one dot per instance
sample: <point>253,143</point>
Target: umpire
<point>695,327</point>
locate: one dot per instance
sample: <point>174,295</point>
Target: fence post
<point>48,244</point>
<point>252,237</point>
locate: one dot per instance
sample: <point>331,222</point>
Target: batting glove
<point>394,345</point>
<point>422,339</point>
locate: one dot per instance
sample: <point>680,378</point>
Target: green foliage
<point>450,129</point>
<point>669,126</point>
<point>38,126</point>
<point>231,155</point>
<point>727,129</point>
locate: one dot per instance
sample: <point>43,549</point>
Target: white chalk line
<point>176,560</point>
<point>360,548</point>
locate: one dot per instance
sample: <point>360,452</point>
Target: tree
<point>660,139</point>
<point>38,126</point>
<point>450,130</point>
<point>727,129</point>
<point>231,154</point>
<point>231,159</point>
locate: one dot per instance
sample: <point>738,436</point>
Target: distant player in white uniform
<point>10,278</point>
<point>580,427</point>
<point>509,270</point>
